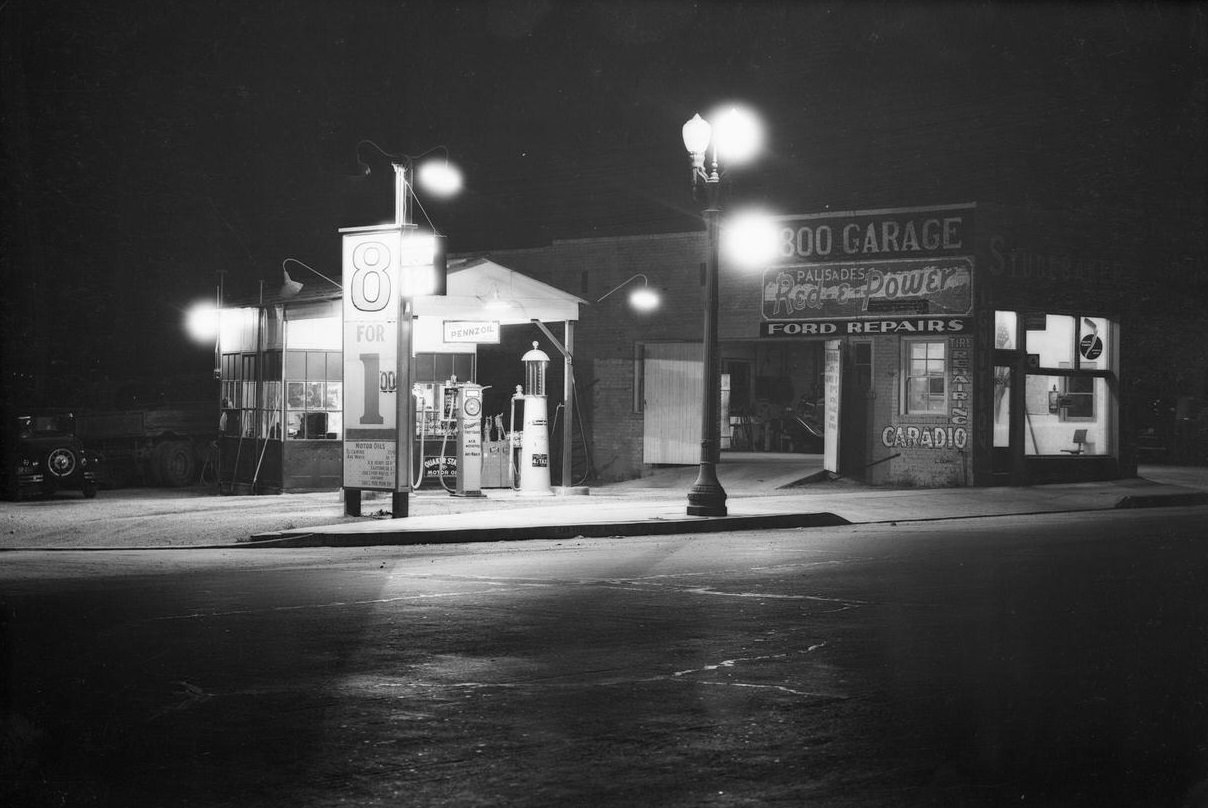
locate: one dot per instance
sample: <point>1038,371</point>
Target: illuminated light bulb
<point>440,178</point>
<point>751,240</point>
<point>739,136</point>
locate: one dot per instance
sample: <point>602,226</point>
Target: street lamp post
<point>706,497</point>
<point>736,139</point>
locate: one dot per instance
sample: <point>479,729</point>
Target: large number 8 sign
<point>370,281</point>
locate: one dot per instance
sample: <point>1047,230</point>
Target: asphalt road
<point>1054,661</point>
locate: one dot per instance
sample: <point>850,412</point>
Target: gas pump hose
<point>587,467</point>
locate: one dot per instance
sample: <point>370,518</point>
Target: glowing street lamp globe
<point>644,299</point>
<point>440,178</point>
<point>697,134</point>
<point>751,240</point>
<point>739,136</point>
<point>201,322</point>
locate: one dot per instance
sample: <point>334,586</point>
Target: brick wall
<point>608,330</point>
<point>916,439</point>
<point>615,430</point>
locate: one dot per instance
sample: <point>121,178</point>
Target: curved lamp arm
<point>643,298</point>
<point>312,269</point>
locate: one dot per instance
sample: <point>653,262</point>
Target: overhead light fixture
<point>643,298</point>
<point>290,287</point>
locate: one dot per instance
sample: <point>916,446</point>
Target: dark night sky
<point>150,143</point>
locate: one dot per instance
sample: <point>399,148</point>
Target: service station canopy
<point>479,290</point>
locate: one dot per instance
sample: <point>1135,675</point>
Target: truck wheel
<point>176,463</point>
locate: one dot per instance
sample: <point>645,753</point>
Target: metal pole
<point>568,400</point>
<point>404,422</point>
<point>707,497</point>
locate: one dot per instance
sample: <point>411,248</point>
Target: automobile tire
<point>176,463</point>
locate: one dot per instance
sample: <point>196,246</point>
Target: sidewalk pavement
<point>758,498</point>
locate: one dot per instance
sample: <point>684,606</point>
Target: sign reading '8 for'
<point>371,268</point>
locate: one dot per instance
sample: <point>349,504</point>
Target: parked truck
<point>163,446</point>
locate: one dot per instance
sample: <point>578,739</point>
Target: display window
<point>245,413</point>
<point>314,395</point>
<point>1068,404</point>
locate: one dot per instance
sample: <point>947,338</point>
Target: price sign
<point>371,293</point>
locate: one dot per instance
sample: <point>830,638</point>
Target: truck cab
<point>46,456</point>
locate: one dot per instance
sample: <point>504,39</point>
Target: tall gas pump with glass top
<point>534,438</point>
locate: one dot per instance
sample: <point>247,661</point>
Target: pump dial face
<point>473,406</point>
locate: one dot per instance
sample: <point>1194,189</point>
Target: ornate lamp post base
<point>706,497</point>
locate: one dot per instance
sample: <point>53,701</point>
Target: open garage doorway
<point>771,399</point>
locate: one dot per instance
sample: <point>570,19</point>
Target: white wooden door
<point>672,380</point>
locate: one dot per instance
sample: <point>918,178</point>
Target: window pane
<point>272,395</point>
<point>1056,343</point>
<point>316,425</point>
<point>334,397</point>
<point>295,395</point>
<point>918,350</point>
<point>919,400</point>
<point>295,365</point>
<point>1002,406</point>
<point>1004,330</point>
<point>293,425</point>
<point>314,395</point>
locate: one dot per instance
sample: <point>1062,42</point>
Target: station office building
<point>939,346</point>
<point>942,346</point>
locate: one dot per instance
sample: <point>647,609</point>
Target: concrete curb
<point>1163,500</point>
<point>596,530</point>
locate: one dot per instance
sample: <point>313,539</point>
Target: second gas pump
<point>447,413</point>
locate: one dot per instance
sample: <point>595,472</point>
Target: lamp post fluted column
<point>706,497</point>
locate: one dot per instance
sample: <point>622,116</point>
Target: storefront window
<point>244,413</point>
<point>1066,415</point>
<point>926,377</point>
<point>314,395</point>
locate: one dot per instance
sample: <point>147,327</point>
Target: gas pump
<point>534,437</point>
<point>447,412</point>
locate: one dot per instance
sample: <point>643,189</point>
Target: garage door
<point>672,379</point>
